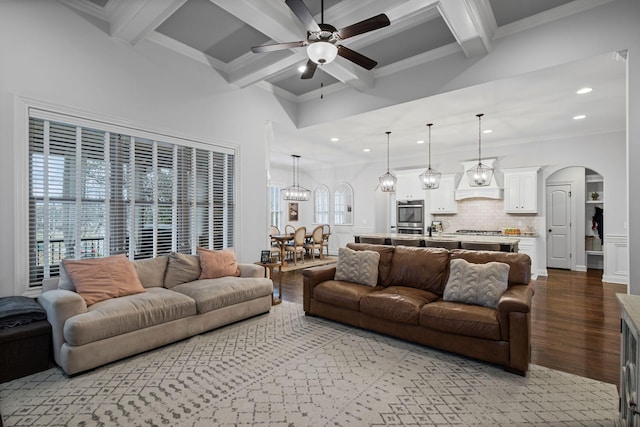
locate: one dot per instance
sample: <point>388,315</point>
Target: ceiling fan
<point>323,39</point>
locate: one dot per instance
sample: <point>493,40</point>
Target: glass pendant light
<point>388,180</point>
<point>481,174</point>
<point>295,192</point>
<point>430,178</point>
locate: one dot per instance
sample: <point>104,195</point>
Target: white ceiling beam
<point>472,24</point>
<point>132,20</point>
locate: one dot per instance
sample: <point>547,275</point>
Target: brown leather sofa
<point>407,303</point>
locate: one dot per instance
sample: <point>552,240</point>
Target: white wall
<point>52,54</point>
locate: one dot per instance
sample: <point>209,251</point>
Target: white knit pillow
<point>357,266</point>
<point>479,284</point>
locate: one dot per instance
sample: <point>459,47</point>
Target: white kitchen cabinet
<point>521,190</point>
<point>442,200</point>
<point>408,186</point>
<point>529,246</point>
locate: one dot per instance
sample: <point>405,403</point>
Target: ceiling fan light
<point>322,52</point>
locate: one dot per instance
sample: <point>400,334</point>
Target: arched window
<point>321,205</point>
<point>343,205</point>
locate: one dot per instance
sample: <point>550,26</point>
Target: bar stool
<point>405,242</point>
<point>480,246</point>
<point>373,240</point>
<point>447,244</point>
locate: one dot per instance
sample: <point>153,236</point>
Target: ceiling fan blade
<point>310,68</point>
<point>302,13</point>
<point>365,26</point>
<point>356,58</point>
<point>277,46</point>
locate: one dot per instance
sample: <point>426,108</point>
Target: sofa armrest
<point>60,305</point>
<point>312,277</point>
<point>251,270</point>
<point>516,298</point>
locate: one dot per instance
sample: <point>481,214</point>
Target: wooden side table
<point>270,266</point>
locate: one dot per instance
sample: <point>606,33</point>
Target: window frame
<point>275,201</point>
<point>348,204</point>
<point>26,108</point>
<point>316,212</point>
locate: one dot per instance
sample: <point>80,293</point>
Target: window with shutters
<point>275,196</point>
<point>96,191</point>
<point>321,205</point>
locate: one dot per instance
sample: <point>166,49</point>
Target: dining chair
<point>315,243</point>
<point>273,230</point>
<point>289,229</point>
<point>326,232</point>
<point>297,245</point>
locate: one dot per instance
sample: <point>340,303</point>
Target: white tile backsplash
<point>486,214</point>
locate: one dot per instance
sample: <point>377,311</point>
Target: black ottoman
<point>25,339</point>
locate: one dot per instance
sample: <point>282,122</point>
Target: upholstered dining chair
<point>326,232</point>
<point>480,246</point>
<point>273,230</point>
<point>289,229</point>
<point>447,244</point>
<point>373,240</point>
<point>315,243</point>
<point>297,245</point>
<point>405,242</point>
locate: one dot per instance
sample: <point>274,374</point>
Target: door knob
<point>549,230</point>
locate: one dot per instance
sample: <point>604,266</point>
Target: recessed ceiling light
<point>579,117</point>
<point>584,90</point>
<point>366,150</point>
<point>334,139</point>
<point>420,142</point>
<point>487,131</point>
<point>302,68</point>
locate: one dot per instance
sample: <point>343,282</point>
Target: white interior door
<point>559,226</point>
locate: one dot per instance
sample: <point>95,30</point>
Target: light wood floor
<point>575,323</point>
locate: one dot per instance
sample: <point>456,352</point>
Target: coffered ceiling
<point>220,34</point>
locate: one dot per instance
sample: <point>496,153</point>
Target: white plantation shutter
<point>94,193</point>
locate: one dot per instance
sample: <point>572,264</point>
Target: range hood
<point>465,191</point>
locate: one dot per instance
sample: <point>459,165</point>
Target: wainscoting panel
<point>616,259</point>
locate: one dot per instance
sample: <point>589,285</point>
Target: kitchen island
<point>507,243</point>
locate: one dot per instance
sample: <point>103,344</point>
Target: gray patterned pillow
<point>357,266</point>
<point>479,284</point>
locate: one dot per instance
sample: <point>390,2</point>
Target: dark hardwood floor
<point>575,323</point>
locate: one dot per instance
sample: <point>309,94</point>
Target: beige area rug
<point>308,262</point>
<point>287,369</point>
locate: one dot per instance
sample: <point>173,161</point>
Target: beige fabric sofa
<point>170,309</point>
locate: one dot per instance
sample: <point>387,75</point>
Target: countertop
<point>507,240</point>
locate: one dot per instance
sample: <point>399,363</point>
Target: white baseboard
<point>581,268</point>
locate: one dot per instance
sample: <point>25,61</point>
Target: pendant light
<point>430,178</point>
<point>388,180</point>
<point>481,174</point>
<point>296,192</point>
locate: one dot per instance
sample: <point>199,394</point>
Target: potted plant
<point>595,195</point>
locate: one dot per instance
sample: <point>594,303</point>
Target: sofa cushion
<point>342,294</point>
<point>211,294</point>
<point>422,268</point>
<point>182,268</point>
<point>98,279</point>
<point>519,264</point>
<point>384,265</point>
<point>479,284</point>
<point>217,264</point>
<point>126,314</point>
<point>357,266</point>
<point>151,270</point>
<point>65,281</point>
<point>461,319</point>
<point>397,303</point>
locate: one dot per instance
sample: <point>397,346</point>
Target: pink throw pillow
<point>217,264</point>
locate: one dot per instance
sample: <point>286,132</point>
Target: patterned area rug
<point>286,369</point>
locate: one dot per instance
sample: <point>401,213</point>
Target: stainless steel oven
<point>410,217</point>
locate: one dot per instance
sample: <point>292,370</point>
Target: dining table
<point>284,238</point>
